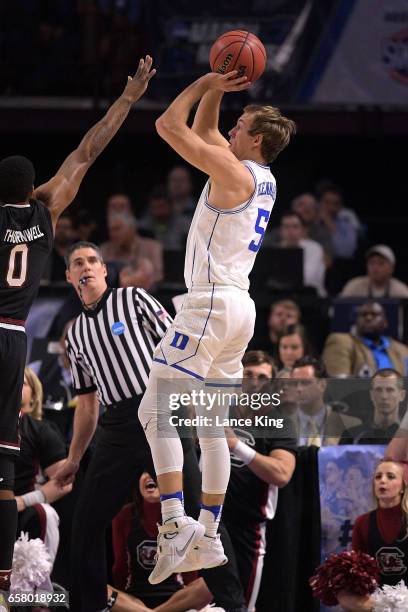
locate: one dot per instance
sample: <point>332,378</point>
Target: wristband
<point>244,452</point>
<point>33,497</point>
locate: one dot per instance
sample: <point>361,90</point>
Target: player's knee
<point>213,444</point>
<point>6,476</point>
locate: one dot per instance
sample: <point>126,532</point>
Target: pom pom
<point>31,564</point>
<point>350,571</point>
<point>391,598</point>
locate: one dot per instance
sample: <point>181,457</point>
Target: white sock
<point>172,507</point>
<point>210,517</point>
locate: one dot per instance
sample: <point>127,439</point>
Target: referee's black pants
<point>120,456</point>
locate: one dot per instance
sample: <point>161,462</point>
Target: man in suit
<point>317,423</point>
<point>366,351</point>
<point>386,394</point>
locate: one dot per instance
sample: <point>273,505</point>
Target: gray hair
<point>82,244</point>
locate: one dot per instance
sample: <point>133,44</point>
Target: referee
<point>110,347</point>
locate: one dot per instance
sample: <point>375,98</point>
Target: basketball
<point>238,50</point>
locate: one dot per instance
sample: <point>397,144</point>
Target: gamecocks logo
<point>391,560</point>
<point>146,552</point>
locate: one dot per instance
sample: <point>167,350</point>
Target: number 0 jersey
<point>26,237</point>
<point>222,244</point>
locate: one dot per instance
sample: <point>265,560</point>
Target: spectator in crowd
<point>379,281</point>
<point>64,237</point>
<point>180,190</point>
<point>258,369</point>
<point>386,526</point>
<point>318,424</point>
<point>42,453</point>
<point>382,533</point>
<point>137,274</point>
<point>286,388</point>
<point>307,207</point>
<point>126,246</point>
<point>368,349</point>
<point>118,204</point>
<point>292,234</point>
<point>341,222</point>
<point>134,539</point>
<point>292,345</point>
<point>263,459</point>
<point>282,313</point>
<point>161,220</point>
<point>386,394</point>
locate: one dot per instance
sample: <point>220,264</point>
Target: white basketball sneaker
<point>208,553</point>
<point>175,540</point>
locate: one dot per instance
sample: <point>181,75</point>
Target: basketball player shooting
<point>27,221</point>
<point>210,334</point>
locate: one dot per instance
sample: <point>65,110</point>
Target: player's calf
<point>8,519</point>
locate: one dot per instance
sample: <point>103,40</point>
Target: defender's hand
<point>137,85</point>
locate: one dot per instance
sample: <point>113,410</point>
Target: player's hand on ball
<point>137,85</point>
<point>227,82</point>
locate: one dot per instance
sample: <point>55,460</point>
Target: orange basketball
<point>238,50</point>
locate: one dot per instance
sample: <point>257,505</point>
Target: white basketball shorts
<point>209,335</point>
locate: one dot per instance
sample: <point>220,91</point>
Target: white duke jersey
<point>222,243</point>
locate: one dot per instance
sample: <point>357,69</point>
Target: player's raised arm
<point>215,160</point>
<point>207,118</point>
<point>59,191</point>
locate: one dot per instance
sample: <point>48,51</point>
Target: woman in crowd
<point>383,532</point>
<point>42,451</point>
<point>292,345</point>
<point>134,535</point>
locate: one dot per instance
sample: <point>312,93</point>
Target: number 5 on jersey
<point>260,227</point>
<point>17,269</point>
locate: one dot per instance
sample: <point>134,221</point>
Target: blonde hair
<point>275,128</point>
<point>404,498</point>
<point>37,393</point>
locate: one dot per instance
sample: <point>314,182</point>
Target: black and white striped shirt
<point>110,348</point>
